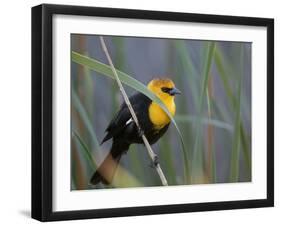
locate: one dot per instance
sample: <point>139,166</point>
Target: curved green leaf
<point>85,118</point>
<point>86,151</point>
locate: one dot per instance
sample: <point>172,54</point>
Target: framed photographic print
<point>147,112</point>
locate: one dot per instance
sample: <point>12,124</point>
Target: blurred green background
<point>213,112</point>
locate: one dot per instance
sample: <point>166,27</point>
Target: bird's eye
<point>165,89</point>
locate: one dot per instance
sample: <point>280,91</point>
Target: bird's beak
<point>174,91</point>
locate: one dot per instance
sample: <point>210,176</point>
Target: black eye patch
<point>166,89</point>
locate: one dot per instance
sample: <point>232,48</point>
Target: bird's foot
<point>155,162</point>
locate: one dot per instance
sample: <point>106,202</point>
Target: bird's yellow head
<point>163,88</point>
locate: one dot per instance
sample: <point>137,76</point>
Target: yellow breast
<point>158,117</point>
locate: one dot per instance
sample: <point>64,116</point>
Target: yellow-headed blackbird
<point>123,131</point>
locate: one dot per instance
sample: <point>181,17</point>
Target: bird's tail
<point>107,169</point>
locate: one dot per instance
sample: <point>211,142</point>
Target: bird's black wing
<point>117,124</point>
<point>122,122</point>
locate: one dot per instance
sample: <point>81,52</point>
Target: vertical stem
<point>210,136</point>
<point>236,142</point>
<point>151,154</point>
<point>196,159</point>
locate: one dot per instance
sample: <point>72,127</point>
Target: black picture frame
<point>42,108</point>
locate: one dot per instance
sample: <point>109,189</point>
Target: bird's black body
<point>123,131</point>
<point>117,129</point>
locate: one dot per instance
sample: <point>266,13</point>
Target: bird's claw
<point>155,162</point>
